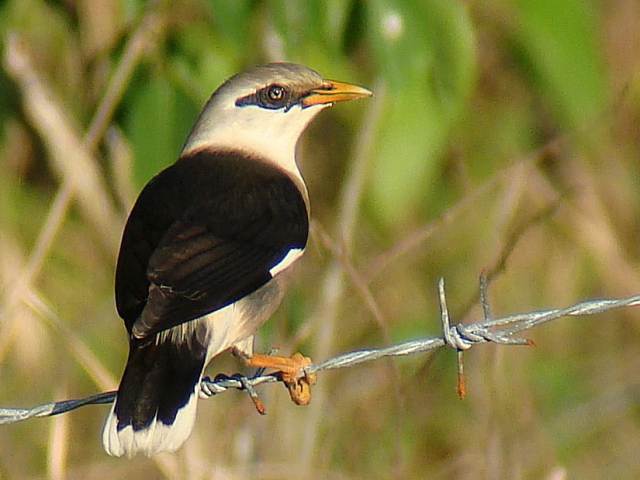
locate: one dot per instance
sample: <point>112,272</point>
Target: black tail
<point>155,407</point>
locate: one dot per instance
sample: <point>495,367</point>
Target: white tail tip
<point>155,438</point>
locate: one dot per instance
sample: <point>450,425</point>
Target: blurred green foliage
<point>426,54</point>
<point>159,119</point>
<point>531,103</point>
<point>565,58</point>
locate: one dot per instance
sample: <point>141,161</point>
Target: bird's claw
<point>292,372</point>
<point>299,386</point>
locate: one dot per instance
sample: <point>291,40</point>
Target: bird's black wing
<point>204,233</point>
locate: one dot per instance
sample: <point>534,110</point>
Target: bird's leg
<point>292,370</point>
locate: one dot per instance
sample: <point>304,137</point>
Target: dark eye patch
<point>272,97</point>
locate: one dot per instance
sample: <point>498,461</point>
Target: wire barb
<point>461,337</point>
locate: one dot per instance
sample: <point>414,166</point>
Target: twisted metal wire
<point>460,337</point>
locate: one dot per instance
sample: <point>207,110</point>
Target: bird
<point>207,249</point>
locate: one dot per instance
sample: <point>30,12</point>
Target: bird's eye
<point>271,97</point>
<point>276,93</point>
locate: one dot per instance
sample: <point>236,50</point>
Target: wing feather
<point>203,234</point>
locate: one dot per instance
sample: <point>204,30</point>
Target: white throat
<point>268,134</point>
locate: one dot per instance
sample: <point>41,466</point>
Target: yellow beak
<point>333,91</point>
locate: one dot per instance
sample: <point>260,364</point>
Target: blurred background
<point>504,136</point>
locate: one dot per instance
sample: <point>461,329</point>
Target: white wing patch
<point>289,258</point>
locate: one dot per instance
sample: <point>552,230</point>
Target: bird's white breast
<point>268,134</point>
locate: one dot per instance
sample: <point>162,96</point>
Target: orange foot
<point>297,381</point>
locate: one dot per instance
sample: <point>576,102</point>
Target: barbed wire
<point>460,337</point>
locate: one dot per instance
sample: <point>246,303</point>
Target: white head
<point>263,111</point>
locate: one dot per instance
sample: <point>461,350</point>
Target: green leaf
<point>311,31</point>
<point>158,121</point>
<point>425,54</point>
<point>203,60</point>
<point>231,19</point>
<point>559,37</point>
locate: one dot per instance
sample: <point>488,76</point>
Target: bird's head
<point>263,111</point>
